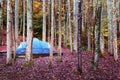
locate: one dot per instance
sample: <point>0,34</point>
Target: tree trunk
<point>69,25</point>
<point>52,33</point>
<point>1,2</point>
<point>24,3</point>
<point>114,30</point>
<point>60,34</point>
<point>9,39</point>
<point>102,36</point>
<point>119,16</point>
<point>44,20</point>
<point>79,37</point>
<point>28,57</point>
<point>97,45</point>
<point>75,24</point>
<point>66,26</point>
<point>109,10</point>
<point>49,21</point>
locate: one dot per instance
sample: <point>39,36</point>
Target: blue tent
<point>38,47</point>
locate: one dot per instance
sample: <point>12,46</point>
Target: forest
<point>59,39</point>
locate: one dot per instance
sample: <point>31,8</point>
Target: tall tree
<point>60,33</point>
<point>109,10</point>
<point>75,24</point>
<point>1,4</point>
<point>16,23</point>
<point>52,32</point>
<point>114,30</point>
<point>9,39</point>
<point>119,16</point>
<point>66,24</point>
<point>44,20</point>
<point>97,45</point>
<point>79,36</point>
<point>28,56</point>
<point>69,24</point>
<point>102,35</point>
<point>49,21</point>
<point>24,3</point>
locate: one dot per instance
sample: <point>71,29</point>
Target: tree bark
<point>52,33</point>
<point>49,19</point>
<point>1,2</point>
<point>75,24</point>
<point>60,34</point>
<point>97,45</point>
<point>9,39</point>
<point>28,57</point>
<point>109,10</point>
<point>24,3</point>
<point>44,20</point>
<point>114,30</point>
<point>79,37</point>
<point>69,25</point>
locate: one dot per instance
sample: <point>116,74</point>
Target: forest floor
<point>65,70</point>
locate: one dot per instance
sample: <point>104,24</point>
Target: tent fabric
<point>38,47</point>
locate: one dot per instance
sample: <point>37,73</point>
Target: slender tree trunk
<point>60,34</point>
<point>79,37</point>
<point>119,16</point>
<point>44,20</point>
<point>97,45</point>
<point>102,36</point>
<point>52,33</point>
<point>1,2</point>
<point>28,57</point>
<point>16,24</point>
<point>49,21</point>
<point>114,30</point>
<point>75,24</point>
<point>109,10</point>
<point>16,21</point>
<point>69,25</point>
<point>24,3</point>
<point>9,39</point>
<point>66,25</point>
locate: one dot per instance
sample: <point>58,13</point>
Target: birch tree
<point>97,45</point>
<point>114,30</point>
<point>52,33</point>
<point>16,24</point>
<point>66,25</point>
<point>24,3</point>
<point>109,11</point>
<point>28,56</point>
<point>102,35</point>
<point>75,24</point>
<point>49,21</point>
<point>1,2</point>
<point>70,28</point>
<point>9,39</point>
<point>44,20</point>
<point>79,37</point>
<point>60,33</point>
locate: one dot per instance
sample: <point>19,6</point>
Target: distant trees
<point>28,56</point>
